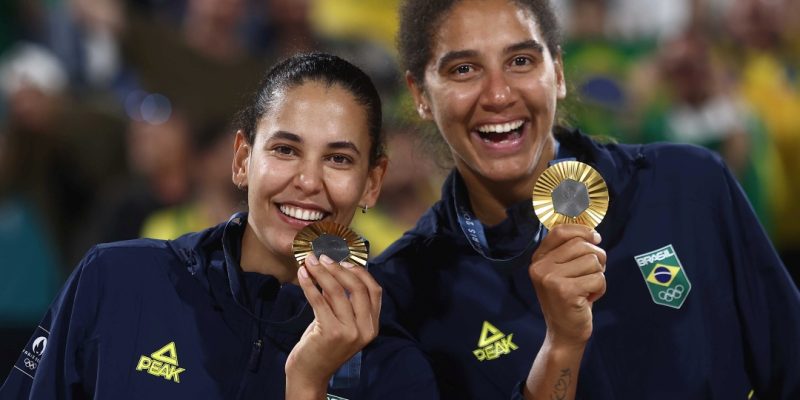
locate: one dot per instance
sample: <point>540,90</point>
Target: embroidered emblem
<point>665,277</point>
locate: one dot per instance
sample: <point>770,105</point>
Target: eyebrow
<point>342,144</point>
<point>458,54</point>
<point>526,45</point>
<point>285,136</point>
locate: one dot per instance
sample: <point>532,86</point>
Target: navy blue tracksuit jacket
<point>149,319</point>
<point>698,305</point>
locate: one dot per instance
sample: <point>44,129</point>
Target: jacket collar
<point>212,257</point>
<point>618,164</point>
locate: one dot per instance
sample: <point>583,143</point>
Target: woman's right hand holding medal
<point>567,271</point>
<point>347,303</point>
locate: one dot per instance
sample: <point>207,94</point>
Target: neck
<point>257,258</point>
<point>490,199</point>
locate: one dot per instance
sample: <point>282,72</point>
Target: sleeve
<point>768,301</point>
<point>519,391</point>
<point>50,365</point>
<point>396,368</point>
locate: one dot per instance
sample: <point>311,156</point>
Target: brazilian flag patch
<point>664,276</point>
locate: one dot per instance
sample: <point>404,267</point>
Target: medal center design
<point>570,198</point>
<point>332,246</point>
<point>335,241</point>
<point>570,192</point>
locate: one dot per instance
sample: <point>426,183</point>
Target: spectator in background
<point>366,19</point>
<point>87,45</point>
<point>636,19</point>
<point>159,158</point>
<point>410,187</point>
<point>768,81</point>
<point>214,198</point>
<point>65,152</point>
<point>288,27</point>
<point>30,80</point>
<point>599,66</point>
<point>699,106</point>
<point>206,46</point>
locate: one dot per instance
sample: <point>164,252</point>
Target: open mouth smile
<point>499,133</point>
<point>302,214</point>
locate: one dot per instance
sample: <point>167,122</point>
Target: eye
<point>283,150</point>
<point>463,72</point>
<point>340,159</point>
<point>519,61</point>
<point>463,69</point>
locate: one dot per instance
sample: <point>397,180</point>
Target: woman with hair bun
<point>226,313</point>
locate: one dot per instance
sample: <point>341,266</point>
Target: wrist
<point>560,345</point>
<point>298,388</point>
<point>554,372</point>
<point>302,386</point>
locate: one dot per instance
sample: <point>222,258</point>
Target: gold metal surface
<point>302,245</point>
<point>552,177</point>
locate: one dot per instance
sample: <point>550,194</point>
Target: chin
<point>506,172</point>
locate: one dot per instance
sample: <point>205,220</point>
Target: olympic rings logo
<point>30,364</point>
<point>671,293</point>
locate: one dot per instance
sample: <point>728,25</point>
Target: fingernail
<point>325,259</point>
<point>303,272</point>
<point>347,264</point>
<point>596,237</point>
<point>312,259</point>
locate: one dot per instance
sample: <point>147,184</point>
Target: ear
<point>420,101</point>
<point>561,82</point>
<point>241,160</point>
<point>374,181</point>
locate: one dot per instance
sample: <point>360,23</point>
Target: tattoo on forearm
<point>562,385</point>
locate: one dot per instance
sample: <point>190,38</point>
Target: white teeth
<point>500,128</point>
<point>302,214</point>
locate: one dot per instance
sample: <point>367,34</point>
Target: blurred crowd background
<point>114,114</point>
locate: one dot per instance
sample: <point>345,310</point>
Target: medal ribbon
<point>473,228</point>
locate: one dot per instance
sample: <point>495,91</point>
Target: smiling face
<point>309,161</point>
<point>491,86</point>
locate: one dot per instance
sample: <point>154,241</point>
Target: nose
<point>309,178</point>
<point>497,93</point>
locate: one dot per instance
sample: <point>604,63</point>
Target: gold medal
<point>336,241</point>
<point>570,192</point>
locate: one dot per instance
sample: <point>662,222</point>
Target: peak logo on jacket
<point>492,343</point>
<point>162,362</point>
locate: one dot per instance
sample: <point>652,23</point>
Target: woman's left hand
<point>347,303</point>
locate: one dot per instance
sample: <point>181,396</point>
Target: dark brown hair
<point>319,67</point>
<point>419,20</point>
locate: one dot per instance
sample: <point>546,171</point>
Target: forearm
<point>554,374</point>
